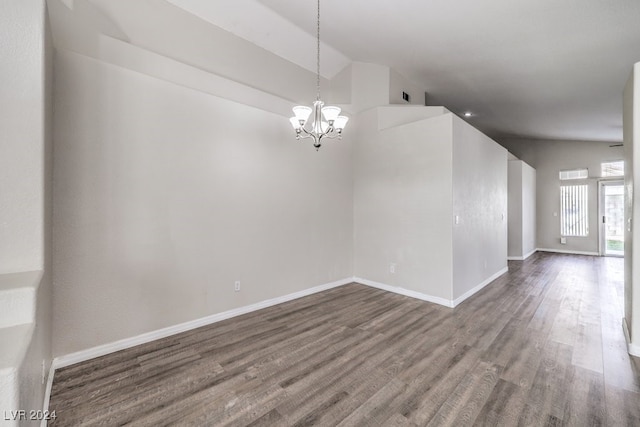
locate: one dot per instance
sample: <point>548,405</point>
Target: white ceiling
<point>533,68</point>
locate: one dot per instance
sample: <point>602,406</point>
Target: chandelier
<point>326,121</point>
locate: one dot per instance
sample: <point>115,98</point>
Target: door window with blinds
<point>574,210</point>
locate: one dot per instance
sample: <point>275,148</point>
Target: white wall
<point>522,209</point>
<point>21,136</point>
<point>39,353</point>
<point>514,226</point>
<point>402,203</point>
<point>529,180</point>
<point>25,171</point>
<point>373,85</point>
<point>411,180</point>
<point>339,91</point>
<point>480,203</point>
<point>632,209</point>
<point>164,196</point>
<point>196,42</point>
<point>398,84</point>
<point>110,32</point>
<point>369,86</point>
<point>548,157</point>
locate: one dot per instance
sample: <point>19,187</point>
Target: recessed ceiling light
<point>468,114</point>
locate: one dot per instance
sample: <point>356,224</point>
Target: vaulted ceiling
<point>543,69</point>
<point>539,69</point>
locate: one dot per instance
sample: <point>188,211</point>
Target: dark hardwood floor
<point>541,345</point>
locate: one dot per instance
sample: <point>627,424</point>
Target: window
<point>613,168</point>
<point>574,174</point>
<point>574,210</point>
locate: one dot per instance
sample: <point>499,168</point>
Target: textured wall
<point>403,203</point>
<point>480,203</point>
<point>164,196</point>
<point>411,181</point>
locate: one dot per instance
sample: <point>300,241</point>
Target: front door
<point>612,218</point>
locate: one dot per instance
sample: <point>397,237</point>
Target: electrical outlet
<point>237,286</point>
<point>392,268</point>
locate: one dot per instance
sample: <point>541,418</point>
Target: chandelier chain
<point>318,54</point>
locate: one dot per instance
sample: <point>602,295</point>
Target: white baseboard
<point>521,258</point>
<point>563,251</point>
<point>101,350</point>
<point>477,288</point>
<point>406,292</point>
<point>430,298</point>
<point>632,349</point>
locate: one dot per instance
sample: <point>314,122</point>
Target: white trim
<point>101,350</point>
<point>430,298</point>
<point>632,349</point>
<point>521,258</point>
<point>406,292</point>
<point>563,251</point>
<point>472,291</point>
<point>47,394</point>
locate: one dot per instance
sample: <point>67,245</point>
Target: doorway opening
<point>612,218</point>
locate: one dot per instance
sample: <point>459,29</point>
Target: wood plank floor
<point>541,345</point>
